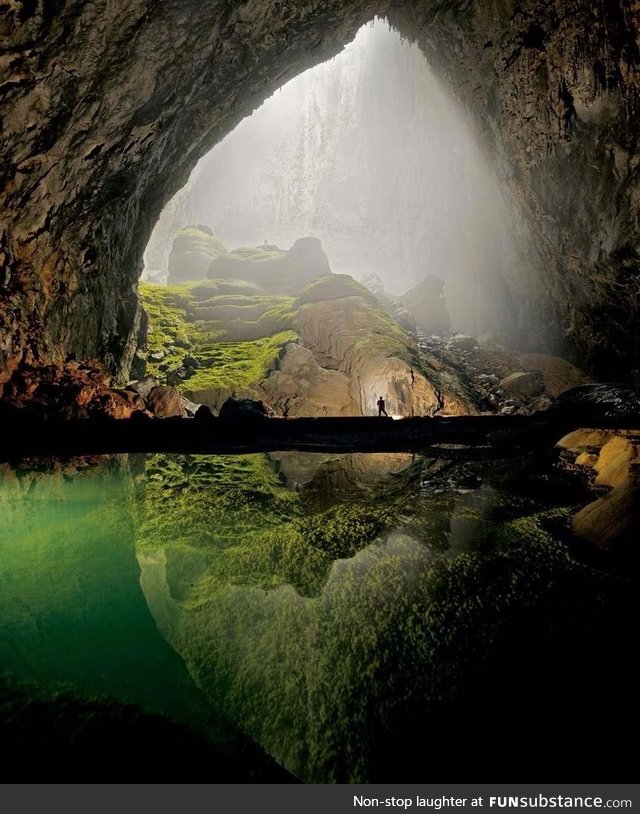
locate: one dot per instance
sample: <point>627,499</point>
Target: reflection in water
<point>339,609</point>
<point>72,611</point>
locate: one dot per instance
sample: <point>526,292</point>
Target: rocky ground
<point>503,380</point>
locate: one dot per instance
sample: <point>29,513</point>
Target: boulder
<point>585,440</point>
<point>191,361</point>
<point>558,374</point>
<point>427,305</point>
<point>204,414</point>
<point>463,342</point>
<point>245,409</point>
<point>612,522</point>
<point>524,384</point>
<point>166,402</point>
<point>309,258</point>
<point>618,461</point>
<point>144,386</point>
<point>193,250</point>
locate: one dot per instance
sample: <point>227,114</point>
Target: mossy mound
<point>257,254</point>
<point>194,247</point>
<point>230,520</point>
<point>272,270</point>
<point>334,287</point>
<point>200,338</point>
<point>341,312</point>
<point>335,633</point>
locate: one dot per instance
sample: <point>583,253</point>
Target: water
<point>335,608</point>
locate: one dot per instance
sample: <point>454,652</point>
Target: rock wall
<point>106,107</point>
<point>555,89</point>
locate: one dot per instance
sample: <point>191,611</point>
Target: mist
<point>370,153</point>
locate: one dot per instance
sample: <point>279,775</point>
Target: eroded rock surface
<point>611,462</point>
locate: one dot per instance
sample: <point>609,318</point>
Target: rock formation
<point>427,305</point>
<point>193,250</point>
<point>107,107</point>
<point>392,305</point>
<point>331,350</point>
<point>611,461</point>
<point>272,270</point>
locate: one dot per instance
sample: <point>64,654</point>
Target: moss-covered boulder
<point>194,247</point>
<point>272,270</point>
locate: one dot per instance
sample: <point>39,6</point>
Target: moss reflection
<point>332,629</point>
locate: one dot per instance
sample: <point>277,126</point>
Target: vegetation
<point>236,365</point>
<point>233,337</point>
<point>257,254</point>
<point>214,334</point>
<point>204,240</point>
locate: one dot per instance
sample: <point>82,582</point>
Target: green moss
<point>540,527</point>
<point>179,327</point>
<point>228,520</point>
<point>208,288</point>
<point>236,364</point>
<point>167,307</point>
<point>206,242</point>
<point>344,529</point>
<point>257,254</point>
<point>333,287</point>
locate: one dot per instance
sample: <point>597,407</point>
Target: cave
<point>306,586</point>
<point>97,139</point>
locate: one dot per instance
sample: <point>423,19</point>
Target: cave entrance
<point>370,168</point>
<point>372,154</point>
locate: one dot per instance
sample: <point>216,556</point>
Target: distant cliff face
<point>107,106</point>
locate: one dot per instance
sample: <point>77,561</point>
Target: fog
<point>373,155</point>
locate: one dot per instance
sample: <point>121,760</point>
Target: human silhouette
<point>381,407</point>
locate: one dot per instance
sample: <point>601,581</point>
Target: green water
<point>331,607</point>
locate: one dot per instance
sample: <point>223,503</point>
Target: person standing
<point>381,408</point>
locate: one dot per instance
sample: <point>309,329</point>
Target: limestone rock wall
<point>554,87</point>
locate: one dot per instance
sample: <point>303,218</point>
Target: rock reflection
<point>312,597</point>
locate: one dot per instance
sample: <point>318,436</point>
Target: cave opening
<point>372,155</point>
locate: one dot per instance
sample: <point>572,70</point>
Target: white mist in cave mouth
<point>370,153</point>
